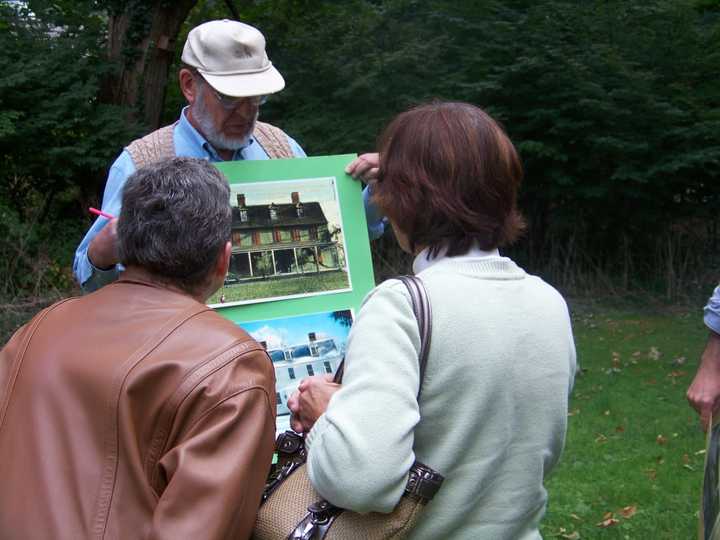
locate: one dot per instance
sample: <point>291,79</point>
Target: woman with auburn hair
<point>492,414</point>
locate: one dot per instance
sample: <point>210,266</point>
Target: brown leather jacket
<point>133,412</point>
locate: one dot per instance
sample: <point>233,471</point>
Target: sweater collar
<point>422,262</point>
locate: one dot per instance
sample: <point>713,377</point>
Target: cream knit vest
<point>160,145</point>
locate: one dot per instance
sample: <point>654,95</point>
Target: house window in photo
<point>285,262</point>
<point>262,264</point>
<point>310,370</point>
<point>284,235</point>
<point>329,257</point>
<point>306,259</point>
<point>240,264</point>
<point>266,236</point>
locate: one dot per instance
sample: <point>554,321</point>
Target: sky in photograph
<point>294,330</point>
<point>320,190</point>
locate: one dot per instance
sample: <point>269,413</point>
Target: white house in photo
<point>293,363</point>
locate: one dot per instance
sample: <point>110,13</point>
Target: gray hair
<point>175,220</point>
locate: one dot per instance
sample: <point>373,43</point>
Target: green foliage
<point>53,131</point>
<point>36,256</point>
<point>56,139</point>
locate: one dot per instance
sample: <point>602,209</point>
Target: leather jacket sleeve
<point>215,472</point>
<point>8,357</point>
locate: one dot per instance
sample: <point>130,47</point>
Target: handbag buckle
<point>316,522</point>
<point>322,511</point>
<point>423,482</point>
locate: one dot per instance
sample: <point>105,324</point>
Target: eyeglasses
<point>230,103</point>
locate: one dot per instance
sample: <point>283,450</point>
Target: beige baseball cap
<point>231,57</point>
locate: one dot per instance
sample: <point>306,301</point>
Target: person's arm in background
<point>95,263</point>
<point>704,392</point>
<point>365,168</point>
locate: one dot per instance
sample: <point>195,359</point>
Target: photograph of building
<point>286,241</point>
<point>301,347</point>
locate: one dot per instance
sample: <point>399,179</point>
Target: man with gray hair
<point>136,411</point>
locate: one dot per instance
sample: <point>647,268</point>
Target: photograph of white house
<point>299,347</point>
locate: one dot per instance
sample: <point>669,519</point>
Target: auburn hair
<point>448,178</point>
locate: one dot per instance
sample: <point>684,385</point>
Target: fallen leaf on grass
<point>674,374</point>
<point>607,413</point>
<point>651,473</point>
<point>573,412</point>
<point>562,533</point>
<point>654,353</point>
<point>619,429</point>
<point>686,459</point>
<point>679,361</point>
<point>576,517</point>
<point>700,452</point>
<point>628,511</point>
<point>661,440</point>
<point>601,438</point>
<point>650,381</point>
<point>609,522</point>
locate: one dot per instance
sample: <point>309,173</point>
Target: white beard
<point>218,140</point>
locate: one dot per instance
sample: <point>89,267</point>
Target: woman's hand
<point>365,167</point>
<point>310,401</point>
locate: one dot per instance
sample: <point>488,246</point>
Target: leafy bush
<point>56,141</point>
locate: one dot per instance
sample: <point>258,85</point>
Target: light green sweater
<point>493,410</point>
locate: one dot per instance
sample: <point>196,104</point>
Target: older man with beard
<point>226,76</point>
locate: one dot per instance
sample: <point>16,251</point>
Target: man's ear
<point>223,261</point>
<point>188,85</point>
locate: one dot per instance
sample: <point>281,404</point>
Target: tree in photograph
<point>343,318</point>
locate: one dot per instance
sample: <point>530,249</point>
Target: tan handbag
<point>292,509</point>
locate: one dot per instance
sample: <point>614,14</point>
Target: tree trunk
<point>141,42</point>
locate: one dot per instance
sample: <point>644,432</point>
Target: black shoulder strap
<point>421,308</point>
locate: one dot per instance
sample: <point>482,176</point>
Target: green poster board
<point>282,237</point>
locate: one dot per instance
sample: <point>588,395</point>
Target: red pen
<point>100,213</point>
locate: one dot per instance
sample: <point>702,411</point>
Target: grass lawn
<point>285,286</point>
<point>634,447</point>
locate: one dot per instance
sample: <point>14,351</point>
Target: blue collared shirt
<point>712,311</point>
<point>188,143</point>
